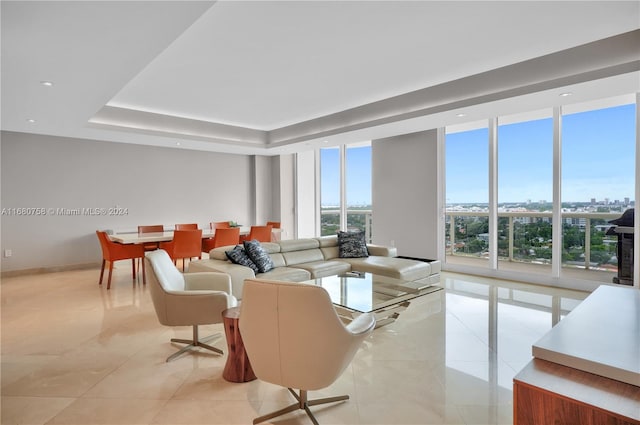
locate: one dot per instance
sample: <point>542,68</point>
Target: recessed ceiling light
<point>325,141</point>
<point>31,120</point>
<point>47,83</point>
<point>178,144</point>
<point>460,115</point>
<point>566,94</point>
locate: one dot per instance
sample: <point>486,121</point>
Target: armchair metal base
<point>302,404</point>
<point>193,343</point>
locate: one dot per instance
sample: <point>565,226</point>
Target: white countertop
<point>600,336</point>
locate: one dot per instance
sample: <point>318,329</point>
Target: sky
<point>358,177</point>
<point>598,159</point>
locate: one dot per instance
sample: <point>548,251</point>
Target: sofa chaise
<point>299,260</point>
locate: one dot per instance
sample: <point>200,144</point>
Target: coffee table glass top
<point>366,292</point>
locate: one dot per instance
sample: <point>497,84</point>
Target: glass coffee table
<point>355,293</point>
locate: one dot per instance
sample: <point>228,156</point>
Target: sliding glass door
<point>525,191</point>
<point>595,174</point>
<point>467,196</point>
<point>598,185</point>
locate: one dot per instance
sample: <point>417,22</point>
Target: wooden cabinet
<point>549,393</point>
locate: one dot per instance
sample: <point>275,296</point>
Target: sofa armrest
<point>187,308</point>
<point>382,251</point>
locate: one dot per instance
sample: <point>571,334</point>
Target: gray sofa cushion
<point>400,268</point>
<point>305,256</point>
<point>298,245</point>
<point>220,253</point>
<point>330,252</point>
<point>271,247</point>
<point>325,268</point>
<point>290,274</point>
<point>278,260</point>
<point>327,241</point>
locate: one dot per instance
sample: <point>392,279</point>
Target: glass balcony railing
<point>526,237</point>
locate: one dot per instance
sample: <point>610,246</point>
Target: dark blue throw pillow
<point>258,255</point>
<point>238,256</point>
<point>352,245</point>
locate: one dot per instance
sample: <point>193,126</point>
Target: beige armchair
<point>294,338</point>
<point>187,299</point>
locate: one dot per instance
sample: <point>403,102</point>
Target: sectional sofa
<point>299,260</point>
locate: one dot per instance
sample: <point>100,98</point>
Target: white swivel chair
<point>294,338</point>
<point>187,299</point>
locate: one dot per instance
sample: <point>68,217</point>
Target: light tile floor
<point>75,353</point>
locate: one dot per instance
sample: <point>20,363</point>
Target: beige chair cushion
<point>186,300</point>
<point>285,326</point>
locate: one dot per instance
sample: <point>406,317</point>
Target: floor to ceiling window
<point>598,184</point>
<point>358,188</point>
<point>345,200</point>
<point>330,193</point>
<point>596,177</point>
<point>467,195</point>
<point>525,190</point>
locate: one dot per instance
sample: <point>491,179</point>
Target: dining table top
<point>141,238</point>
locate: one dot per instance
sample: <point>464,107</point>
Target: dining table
<point>142,238</point>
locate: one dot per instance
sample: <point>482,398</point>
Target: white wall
<point>404,197</point>
<point>306,194</point>
<point>154,185</point>
<point>265,186</point>
<point>286,167</point>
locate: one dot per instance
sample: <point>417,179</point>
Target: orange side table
<point>237,368</point>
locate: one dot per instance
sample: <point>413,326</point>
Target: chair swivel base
<point>193,343</point>
<point>302,404</point>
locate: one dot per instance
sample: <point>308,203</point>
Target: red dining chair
<point>223,237</point>
<point>219,224</point>
<point>208,243</point>
<point>275,236</point>
<point>153,228</point>
<point>261,233</point>
<point>112,251</point>
<point>186,226</point>
<point>185,244</point>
